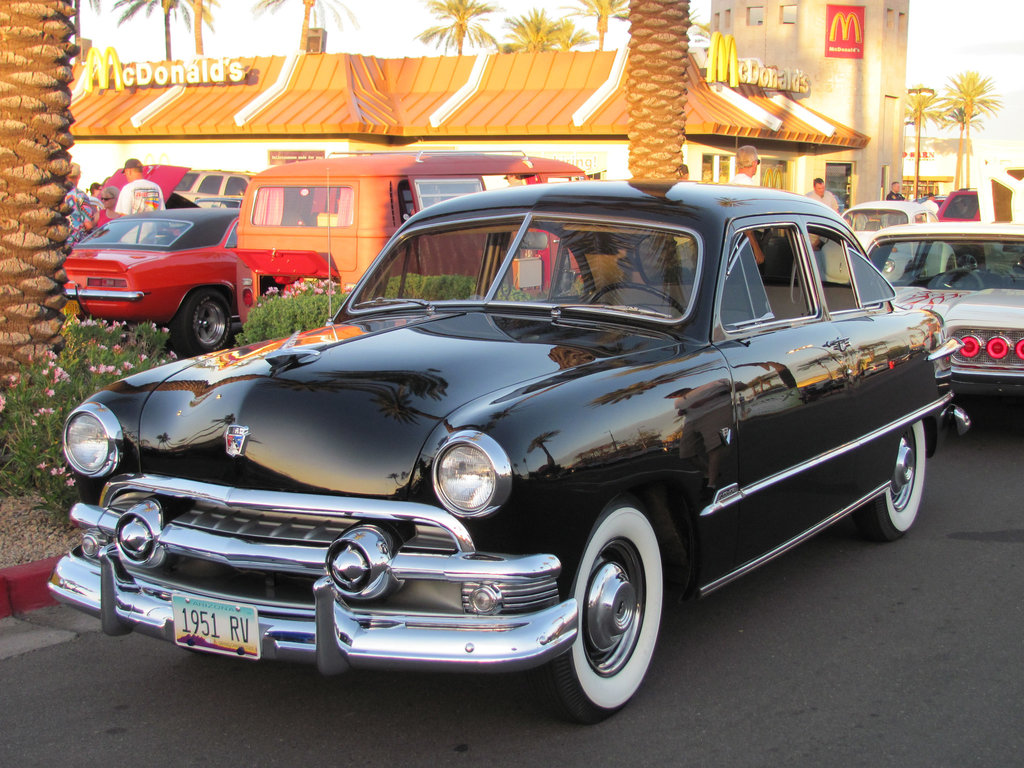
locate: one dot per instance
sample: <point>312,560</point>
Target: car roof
<point>208,226</point>
<point>420,164</point>
<point>695,205</point>
<point>888,205</point>
<point>949,229</point>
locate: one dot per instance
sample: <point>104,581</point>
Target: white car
<point>867,218</point>
<point>972,275</point>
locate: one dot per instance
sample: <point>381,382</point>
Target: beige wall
<point>865,94</point>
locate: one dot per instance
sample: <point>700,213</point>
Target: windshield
<point>952,263</point>
<point>872,220</point>
<point>141,231</point>
<point>555,262</point>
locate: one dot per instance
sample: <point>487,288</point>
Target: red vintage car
<point>175,268</point>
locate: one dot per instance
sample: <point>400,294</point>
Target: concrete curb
<point>23,587</point>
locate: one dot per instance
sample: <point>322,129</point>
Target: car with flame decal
<point>972,275</point>
<point>541,410</point>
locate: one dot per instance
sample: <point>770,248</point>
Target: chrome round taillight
<point>997,347</point>
<point>1019,349</point>
<point>359,563</point>
<point>971,346</point>
<point>138,531</point>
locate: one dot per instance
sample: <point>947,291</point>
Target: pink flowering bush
<point>301,306</point>
<point>35,403</point>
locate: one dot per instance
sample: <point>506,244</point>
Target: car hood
<point>988,308</point>
<point>347,408</point>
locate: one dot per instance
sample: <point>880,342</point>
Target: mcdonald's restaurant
<point>247,113</point>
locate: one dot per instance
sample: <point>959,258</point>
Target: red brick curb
<point>23,587</point>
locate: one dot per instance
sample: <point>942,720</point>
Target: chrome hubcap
<point>614,608</point>
<point>902,483</point>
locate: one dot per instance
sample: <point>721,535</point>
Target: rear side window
<point>433,191</point>
<point>210,185</point>
<point>186,182</point>
<point>236,185</point>
<point>303,207</point>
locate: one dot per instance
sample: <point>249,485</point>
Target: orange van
<point>344,208</point>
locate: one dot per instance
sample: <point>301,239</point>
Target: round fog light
<point>91,544</point>
<point>485,599</point>
<point>359,563</point>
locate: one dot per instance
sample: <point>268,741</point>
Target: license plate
<point>71,308</point>
<point>216,627</point>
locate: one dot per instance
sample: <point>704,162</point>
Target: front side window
<point>765,280</point>
<point>303,207</point>
<point>565,263</point>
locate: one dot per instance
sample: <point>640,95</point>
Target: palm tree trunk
<point>656,86</point>
<point>35,69</point>
<point>197,21</point>
<point>167,32</point>
<point>967,148</point>
<point>305,23</point>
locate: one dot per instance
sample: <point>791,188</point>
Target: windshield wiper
<point>629,309</point>
<point>381,301</point>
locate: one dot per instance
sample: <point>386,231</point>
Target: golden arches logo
<point>723,65</point>
<point>773,177</point>
<point>98,65</point>
<point>845,22</point>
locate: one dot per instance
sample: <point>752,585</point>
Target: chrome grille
<point>521,596</point>
<point>983,360</point>
<point>309,529</point>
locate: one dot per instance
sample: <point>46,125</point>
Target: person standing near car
<point>82,213</point>
<point>747,162</point>
<point>895,192</point>
<point>139,195</point>
<point>823,196</point>
<point>108,199</point>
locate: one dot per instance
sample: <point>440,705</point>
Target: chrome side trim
<point>707,589</point>
<point>733,494</point>
<point>297,503</point>
<point>947,348</point>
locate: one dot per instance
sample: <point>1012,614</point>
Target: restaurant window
<point>755,15</point>
<point>715,169</point>
<point>787,14</point>
<point>838,178</point>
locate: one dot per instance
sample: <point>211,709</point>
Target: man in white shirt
<point>139,195</point>
<point>823,196</point>
<point>746,166</point>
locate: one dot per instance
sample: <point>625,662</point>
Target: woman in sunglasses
<point>108,199</point>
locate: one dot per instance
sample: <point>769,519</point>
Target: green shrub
<point>301,306</point>
<point>431,287</point>
<point>35,403</point>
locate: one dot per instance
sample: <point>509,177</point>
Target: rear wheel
<point>891,515</point>
<point>618,589</point>
<point>202,324</point>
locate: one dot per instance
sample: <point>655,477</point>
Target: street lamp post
<point>920,91</point>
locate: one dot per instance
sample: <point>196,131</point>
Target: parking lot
<point>840,653</point>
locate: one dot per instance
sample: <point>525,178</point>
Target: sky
<point>946,37</point>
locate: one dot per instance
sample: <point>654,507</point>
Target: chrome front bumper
<point>326,627</point>
<point>334,636</point>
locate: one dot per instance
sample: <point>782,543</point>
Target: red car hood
<point>166,177</point>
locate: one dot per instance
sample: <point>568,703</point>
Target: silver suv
<point>212,184</point>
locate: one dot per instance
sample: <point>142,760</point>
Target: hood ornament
<point>235,439</point>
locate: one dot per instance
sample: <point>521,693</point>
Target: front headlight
<point>93,440</point>
<point>472,475</point>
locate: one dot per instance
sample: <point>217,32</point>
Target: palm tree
<point>35,69</point>
<point>202,9</point>
<point>602,10</point>
<point>956,117</point>
<point>308,7</point>
<point>569,37</point>
<point>976,96</point>
<point>656,86</point>
<point>533,32</point>
<point>923,107</point>
<point>464,17</point>
<point>131,8</point>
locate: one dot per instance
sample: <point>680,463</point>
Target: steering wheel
<point>964,279</point>
<point>618,285</point>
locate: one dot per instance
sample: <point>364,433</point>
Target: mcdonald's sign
<point>724,66</point>
<point>844,31</point>
<point>774,176</point>
<point>103,69</point>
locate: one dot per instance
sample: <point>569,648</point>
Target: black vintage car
<point>538,409</point>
